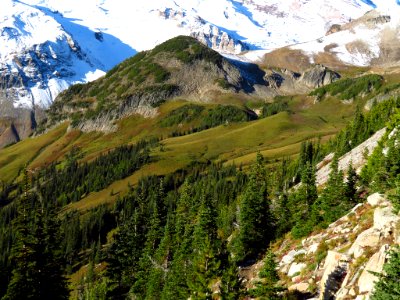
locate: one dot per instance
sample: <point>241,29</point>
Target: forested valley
<point>187,234</point>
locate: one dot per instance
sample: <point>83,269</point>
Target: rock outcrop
<point>318,76</point>
<point>354,246</point>
<point>375,264</point>
<point>288,82</point>
<point>356,157</point>
<point>335,268</point>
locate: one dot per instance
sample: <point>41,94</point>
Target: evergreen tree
<point>302,202</point>
<point>24,276</point>
<point>160,264</point>
<point>124,254</point>
<point>351,184</point>
<point>206,259</point>
<point>267,288</point>
<point>231,283</point>
<point>255,219</point>
<point>283,215</point>
<point>37,272</point>
<point>333,202</point>
<point>176,286</point>
<point>395,198</point>
<point>153,237</point>
<point>53,284</point>
<point>388,286</point>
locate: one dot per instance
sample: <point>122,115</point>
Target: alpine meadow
<point>203,150</point>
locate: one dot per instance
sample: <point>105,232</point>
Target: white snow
<point>65,32</point>
<point>369,37</point>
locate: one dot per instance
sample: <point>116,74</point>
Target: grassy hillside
<point>180,66</point>
<point>236,141</point>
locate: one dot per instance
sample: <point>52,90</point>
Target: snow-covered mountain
<point>373,39</point>
<point>47,45</point>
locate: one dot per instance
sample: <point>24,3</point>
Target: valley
<point>176,152</point>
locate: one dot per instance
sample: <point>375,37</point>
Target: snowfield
<point>47,45</point>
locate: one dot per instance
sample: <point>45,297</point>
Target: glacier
<point>47,45</point>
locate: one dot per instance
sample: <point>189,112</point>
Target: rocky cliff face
<point>180,67</point>
<point>341,261</point>
<point>285,81</point>
<point>336,263</point>
<point>356,157</point>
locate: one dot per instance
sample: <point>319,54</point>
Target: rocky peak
<point>289,82</point>
<point>181,66</point>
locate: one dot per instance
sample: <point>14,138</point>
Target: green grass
<point>275,137</point>
<point>14,158</point>
<point>350,88</point>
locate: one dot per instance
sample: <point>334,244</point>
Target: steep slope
<point>46,45</point>
<point>36,65</point>
<point>340,261</point>
<point>180,67</point>
<point>369,41</point>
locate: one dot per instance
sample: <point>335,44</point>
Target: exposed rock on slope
<point>16,124</point>
<point>179,67</point>
<point>350,247</point>
<point>285,81</point>
<point>369,40</point>
<point>355,157</point>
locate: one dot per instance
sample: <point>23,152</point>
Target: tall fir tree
<point>351,183</point>
<point>37,272</point>
<point>388,286</point>
<point>333,202</point>
<point>124,254</point>
<point>267,288</point>
<point>24,277</point>
<point>231,287</point>
<point>206,260</point>
<point>255,218</point>
<point>302,201</point>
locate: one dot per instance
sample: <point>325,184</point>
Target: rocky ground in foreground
<point>336,263</point>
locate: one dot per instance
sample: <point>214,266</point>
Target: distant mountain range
<point>47,45</point>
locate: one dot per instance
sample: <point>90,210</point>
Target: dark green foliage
<point>206,262</point>
<point>223,83</point>
<point>350,88</point>
<point>395,198</point>
<point>302,202</point>
<point>218,115</point>
<point>363,126</point>
<point>388,286</point>
<point>270,109</point>
<point>267,288</point>
<point>231,283</point>
<point>94,176</point>
<point>351,184</point>
<point>36,258</point>
<point>183,114</point>
<point>382,171</point>
<point>310,154</point>
<point>224,114</point>
<point>73,90</point>
<point>255,218</point>
<point>188,50</point>
<point>333,202</point>
<point>181,252</point>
